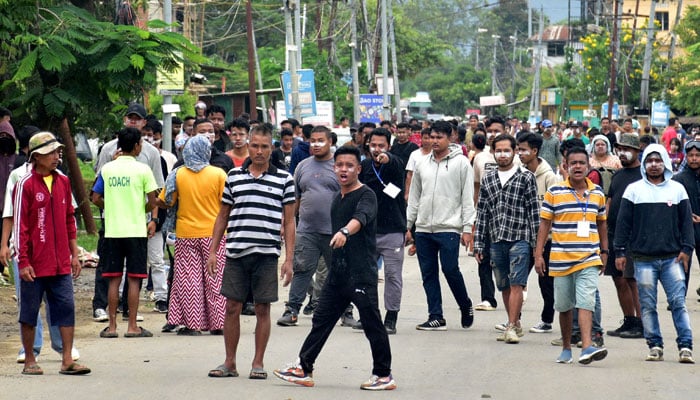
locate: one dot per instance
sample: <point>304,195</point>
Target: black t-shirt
<point>392,215</point>
<point>354,263</point>
<point>282,158</point>
<point>403,151</point>
<point>619,182</point>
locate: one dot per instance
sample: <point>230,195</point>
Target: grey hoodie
<point>441,198</point>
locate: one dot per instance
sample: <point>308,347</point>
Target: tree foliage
<point>64,63</point>
<point>685,94</point>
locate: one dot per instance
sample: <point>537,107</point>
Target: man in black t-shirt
<point>352,277</point>
<point>403,147</point>
<point>628,151</point>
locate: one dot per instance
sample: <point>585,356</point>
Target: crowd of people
<point>569,200</point>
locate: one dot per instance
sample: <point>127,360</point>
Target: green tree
<point>63,66</point>
<point>685,92</point>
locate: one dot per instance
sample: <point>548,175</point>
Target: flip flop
<point>223,372</point>
<point>105,333</point>
<point>257,373</point>
<point>33,369</point>
<point>75,369</point>
<point>142,333</point>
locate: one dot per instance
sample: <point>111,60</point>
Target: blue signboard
<point>307,92</point>
<point>371,106</point>
<point>615,111</point>
<point>660,113</point>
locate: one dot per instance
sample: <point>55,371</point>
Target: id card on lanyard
<point>390,190</point>
<point>583,227</point>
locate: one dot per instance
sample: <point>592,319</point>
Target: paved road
<point>458,363</point>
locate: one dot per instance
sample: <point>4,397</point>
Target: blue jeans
<point>308,250</point>
<point>672,277</point>
<point>54,332</point>
<point>430,246</point>
<point>510,261</point>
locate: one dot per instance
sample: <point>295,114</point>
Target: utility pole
<point>613,61</point>
<point>386,109</point>
<point>494,87</point>
<point>479,31</point>
<point>252,95</point>
<point>263,103</point>
<point>353,60</point>
<point>514,38</point>
<point>394,64</point>
<point>297,31</point>
<point>167,141</point>
<point>529,19</point>
<point>292,50</point>
<point>644,94</point>
<point>535,104</point>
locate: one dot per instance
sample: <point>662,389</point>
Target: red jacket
<point>44,224</point>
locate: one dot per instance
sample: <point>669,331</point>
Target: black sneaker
<point>625,326</point>
<point>289,318</point>
<point>433,325</point>
<point>248,309</point>
<point>598,340</point>
<point>309,308</point>
<point>467,316</point>
<point>161,307</point>
<point>168,328</point>
<point>634,332</point>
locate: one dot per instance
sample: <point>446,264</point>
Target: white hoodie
<point>441,198</point>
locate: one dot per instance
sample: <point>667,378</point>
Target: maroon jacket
<point>44,224</point>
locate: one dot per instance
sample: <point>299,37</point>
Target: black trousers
<point>488,288</point>
<point>331,306</point>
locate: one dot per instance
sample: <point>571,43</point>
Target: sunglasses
<point>693,144</point>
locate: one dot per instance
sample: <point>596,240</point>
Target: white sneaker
<point>484,306</point>
<point>524,294</point>
<point>75,354</point>
<point>21,357</point>
<point>100,315</point>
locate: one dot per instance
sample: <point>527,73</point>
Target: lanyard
<point>585,209</point>
<point>378,173</point>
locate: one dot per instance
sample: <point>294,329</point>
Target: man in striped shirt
<point>575,213</point>
<point>257,198</point>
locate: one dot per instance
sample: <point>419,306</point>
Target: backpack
<point>602,177</point>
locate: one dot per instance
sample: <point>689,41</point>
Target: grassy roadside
<point>85,240</point>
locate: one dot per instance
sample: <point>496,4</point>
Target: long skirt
<point>195,301</point>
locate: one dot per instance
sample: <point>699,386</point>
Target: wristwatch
<point>604,251</point>
<point>345,231</point>
<point>156,220</point>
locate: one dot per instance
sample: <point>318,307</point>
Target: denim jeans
<point>157,267</point>
<point>445,245</point>
<point>54,332</point>
<point>510,261</point>
<point>672,277</point>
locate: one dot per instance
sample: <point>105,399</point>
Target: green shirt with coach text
<point>126,183</point>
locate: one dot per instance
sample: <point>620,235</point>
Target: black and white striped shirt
<point>255,220</point>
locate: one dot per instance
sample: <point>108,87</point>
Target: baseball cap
<point>7,128</point>
<point>43,143</point>
<point>136,108</point>
<point>200,104</point>
<point>546,123</point>
<point>575,123</point>
<point>628,140</point>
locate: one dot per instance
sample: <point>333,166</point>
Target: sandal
<point>105,333</point>
<point>75,369</point>
<point>33,369</point>
<point>223,372</point>
<point>143,332</point>
<point>188,332</point>
<point>257,373</point>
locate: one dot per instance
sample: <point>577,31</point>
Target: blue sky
<point>557,10</point>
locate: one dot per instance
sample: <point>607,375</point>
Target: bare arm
<point>542,235</point>
<point>5,253</point>
<point>289,238</point>
<point>217,234</point>
<point>97,200</point>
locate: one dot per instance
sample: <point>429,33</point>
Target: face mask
<point>626,154</point>
<point>317,144</point>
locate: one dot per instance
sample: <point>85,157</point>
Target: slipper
<point>75,369</point>
<point>222,372</point>
<point>257,373</point>
<point>105,333</point>
<point>142,333</point>
<point>188,332</point>
<point>33,369</point>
